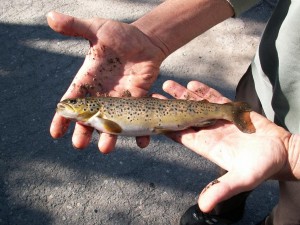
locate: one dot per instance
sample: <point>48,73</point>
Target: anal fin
<point>205,123</point>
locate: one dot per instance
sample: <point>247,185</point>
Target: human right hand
<point>250,159</point>
<point>121,60</point>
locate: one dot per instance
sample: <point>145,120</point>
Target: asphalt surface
<point>46,181</point>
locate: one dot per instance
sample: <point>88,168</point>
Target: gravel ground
<point>46,181</point>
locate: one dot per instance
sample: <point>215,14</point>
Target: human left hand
<point>121,59</point>
<point>249,159</point>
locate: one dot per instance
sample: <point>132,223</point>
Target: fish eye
<point>73,101</point>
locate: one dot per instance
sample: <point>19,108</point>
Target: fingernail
<point>75,147</point>
<point>50,15</point>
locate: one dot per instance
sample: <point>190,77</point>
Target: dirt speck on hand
<point>126,93</point>
<point>99,94</point>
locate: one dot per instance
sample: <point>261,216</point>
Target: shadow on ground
<point>32,80</point>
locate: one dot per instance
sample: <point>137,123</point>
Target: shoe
<point>225,213</point>
<point>194,216</point>
<point>262,222</point>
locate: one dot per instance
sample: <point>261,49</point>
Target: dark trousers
<point>287,211</point>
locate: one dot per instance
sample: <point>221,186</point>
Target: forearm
<point>175,22</point>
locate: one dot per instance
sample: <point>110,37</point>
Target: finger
<point>206,92</point>
<point>178,91</point>
<point>203,142</point>
<point>222,189</point>
<point>143,141</point>
<point>59,126</point>
<point>72,26</point>
<point>107,143</point>
<point>82,136</point>
<point>185,137</point>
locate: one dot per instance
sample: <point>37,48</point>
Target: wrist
<point>153,38</point>
<point>291,169</point>
<point>175,22</point>
<point>294,156</point>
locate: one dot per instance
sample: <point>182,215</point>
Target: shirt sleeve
<point>241,6</point>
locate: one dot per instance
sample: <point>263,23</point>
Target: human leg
<point>287,211</point>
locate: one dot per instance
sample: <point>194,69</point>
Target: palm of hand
<point>113,66</point>
<point>249,158</point>
<point>121,60</point>
<point>242,153</point>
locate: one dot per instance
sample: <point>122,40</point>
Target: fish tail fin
<point>241,116</point>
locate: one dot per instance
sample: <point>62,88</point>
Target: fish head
<point>77,109</point>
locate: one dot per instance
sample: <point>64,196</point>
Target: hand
<point>249,159</point>
<point>121,59</point>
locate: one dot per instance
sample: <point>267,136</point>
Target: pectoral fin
<point>110,126</point>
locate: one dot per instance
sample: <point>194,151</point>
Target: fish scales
<point>149,111</point>
<point>145,116</point>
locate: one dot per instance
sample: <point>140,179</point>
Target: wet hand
<point>121,60</point>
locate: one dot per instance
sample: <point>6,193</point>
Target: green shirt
<point>276,66</point>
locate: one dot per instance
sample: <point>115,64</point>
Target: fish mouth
<point>64,107</point>
<point>66,111</point>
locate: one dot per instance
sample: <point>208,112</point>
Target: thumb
<point>222,189</point>
<point>72,26</point>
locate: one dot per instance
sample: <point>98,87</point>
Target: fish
<point>130,116</point>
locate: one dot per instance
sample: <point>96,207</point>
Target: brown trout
<point>146,116</point>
